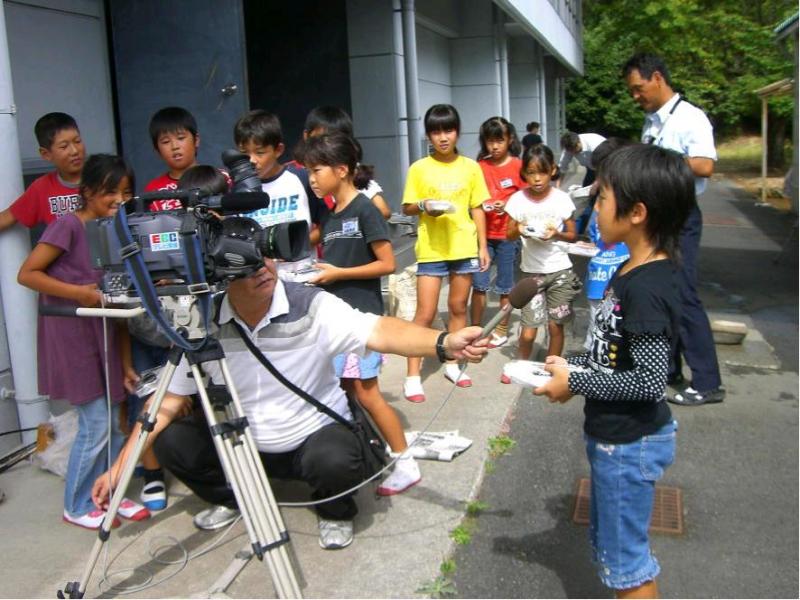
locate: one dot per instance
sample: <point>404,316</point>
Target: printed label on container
<point>159,242</point>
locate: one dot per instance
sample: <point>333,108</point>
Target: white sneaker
<point>412,389</point>
<point>405,475</point>
<point>154,495</point>
<point>453,372</point>
<point>215,517</point>
<point>334,535</point>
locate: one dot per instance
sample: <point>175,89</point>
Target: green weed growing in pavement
<point>500,445</point>
<point>448,567</point>
<point>476,507</point>
<point>462,534</point>
<point>441,587</point>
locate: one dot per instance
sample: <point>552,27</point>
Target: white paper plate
<point>442,205</point>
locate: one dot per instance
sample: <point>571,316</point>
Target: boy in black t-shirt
<point>646,193</point>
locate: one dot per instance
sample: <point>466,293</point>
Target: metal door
<point>188,53</point>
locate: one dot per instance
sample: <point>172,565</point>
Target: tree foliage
<point>718,52</point>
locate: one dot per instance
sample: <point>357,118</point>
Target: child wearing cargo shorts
<point>541,215</point>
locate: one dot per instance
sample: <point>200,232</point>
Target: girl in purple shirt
<point>71,353</point>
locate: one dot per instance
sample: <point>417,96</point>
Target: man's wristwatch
<point>441,352</point>
<point>421,206</point>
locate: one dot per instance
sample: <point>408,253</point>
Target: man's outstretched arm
<point>396,336</point>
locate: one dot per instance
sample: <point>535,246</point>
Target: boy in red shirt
<point>174,133</point>
<point>55,193</point>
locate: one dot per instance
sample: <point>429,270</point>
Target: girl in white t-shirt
<point>542,215</point>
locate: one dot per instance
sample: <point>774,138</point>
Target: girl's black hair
<point>329,118</point>
<point>102,173</point>
<point>496,128</point>
<point>442,117</point>
<point>542,157</point>
<point>334,149</point>
<point>658,178</point>
<point>209,180</point>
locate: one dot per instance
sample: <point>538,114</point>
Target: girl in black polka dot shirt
<point>646,193</point>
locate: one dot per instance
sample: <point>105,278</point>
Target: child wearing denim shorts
<point>646,194</point>
<point>447,191</point>
<point>542,215</point>
<point>501,170</point>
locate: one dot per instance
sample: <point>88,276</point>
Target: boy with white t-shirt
<point>542,215</point>
<point>258,134</point>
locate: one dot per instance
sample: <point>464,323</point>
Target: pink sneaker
<point>91,520</point>
<point>133,511</point>
<point>505,379</point>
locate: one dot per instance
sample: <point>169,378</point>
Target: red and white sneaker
<point>505,379</point>
<point>497,340</point>
<point>404,476</point>
<point>133,511</point>
<point>412,389</point>
<point>91,520</point>
<point>454,374</point>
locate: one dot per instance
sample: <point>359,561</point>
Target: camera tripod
<point>240,461</point>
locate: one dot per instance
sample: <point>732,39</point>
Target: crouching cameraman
<point>299,329</point>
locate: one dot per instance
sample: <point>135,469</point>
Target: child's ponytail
<point>497,128</point>
<point>336,148</point>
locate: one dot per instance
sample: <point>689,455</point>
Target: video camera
<point>229,245</point>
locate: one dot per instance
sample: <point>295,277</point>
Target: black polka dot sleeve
<point>579,360</point>
<point>645,382</point>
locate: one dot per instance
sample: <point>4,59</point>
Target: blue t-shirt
<point>604,264</point>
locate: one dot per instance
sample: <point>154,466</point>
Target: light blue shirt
<point>681,126</point>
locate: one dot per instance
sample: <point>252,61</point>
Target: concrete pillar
<point>475,77</point>
<point>377,92</point>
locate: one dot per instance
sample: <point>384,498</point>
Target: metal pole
<point>764,111</point>
<point>400,84</point>
<point>412,80</point>
<point>19,303</point>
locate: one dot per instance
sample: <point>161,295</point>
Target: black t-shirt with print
<point>643,302</point>
<point>346,239</point>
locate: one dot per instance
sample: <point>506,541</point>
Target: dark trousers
<point>329,461</point>
<point>696,342</point>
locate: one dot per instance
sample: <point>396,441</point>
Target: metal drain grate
<point>667,508</point>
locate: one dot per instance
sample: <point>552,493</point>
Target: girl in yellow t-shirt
<point>447,191</point>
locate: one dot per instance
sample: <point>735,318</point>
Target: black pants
<point>696,341</point>
<point>329,461</point>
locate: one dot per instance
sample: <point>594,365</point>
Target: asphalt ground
<point>737,462</point>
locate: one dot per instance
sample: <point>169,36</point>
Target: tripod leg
<point>259,480</point>
<point>267,538</point>
<point>76,589</point>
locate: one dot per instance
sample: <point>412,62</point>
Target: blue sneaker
<point>154,495</point>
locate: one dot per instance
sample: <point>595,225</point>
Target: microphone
<point>239,202</point>
<point>519,296</point>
